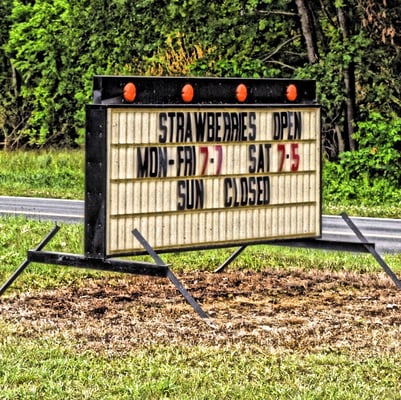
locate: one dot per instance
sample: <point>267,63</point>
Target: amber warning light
<point>129,92</point>
<point>241,93</point>
<point>187,93</point>
<point>292,92</point>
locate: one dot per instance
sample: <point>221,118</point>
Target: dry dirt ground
<point>274,310</point>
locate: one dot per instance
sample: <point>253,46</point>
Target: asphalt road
<point>384,233</point>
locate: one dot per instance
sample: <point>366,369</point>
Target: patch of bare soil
<point>273,310</point>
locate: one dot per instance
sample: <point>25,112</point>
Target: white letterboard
<point>195,177</point>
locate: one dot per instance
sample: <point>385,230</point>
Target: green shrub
<point>371,175</point>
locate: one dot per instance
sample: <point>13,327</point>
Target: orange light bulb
<point>241,93</point>
<point>292,92</point>
<point>129,92</point>
<point>187,93</point>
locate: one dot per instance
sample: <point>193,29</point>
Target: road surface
<point>385,233</point>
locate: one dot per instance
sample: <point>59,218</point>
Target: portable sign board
<point>200,163</point>
<point>194,163</point>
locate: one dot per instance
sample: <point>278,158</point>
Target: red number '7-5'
<point>294,156</point>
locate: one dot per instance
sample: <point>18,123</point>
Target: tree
<point>351,40</point>
<point>308,29</point>
<point>38,48</point>
<point>10,118</point>
<point>344,21</point>
<point>54,47</point>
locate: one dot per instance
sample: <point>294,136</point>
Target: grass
<point>54,368</point>
<point>18,235</point>
<point>58,174</point>
<point>46,370</point>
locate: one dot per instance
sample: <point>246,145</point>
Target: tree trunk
<point>349,84</point>
<point>308,30</point>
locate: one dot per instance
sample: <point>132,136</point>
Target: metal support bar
<point>109,264</point>
<point>170,275</point>
<point>314,243</point>
<point>371,250</point>
<point>230,259</point>
<point>21,268</point>
<point>323,244</point>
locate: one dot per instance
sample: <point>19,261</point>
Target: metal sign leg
<point>21,268</point>
<point>231,258</point>
<point>170,275</point>
<point>371,250</point>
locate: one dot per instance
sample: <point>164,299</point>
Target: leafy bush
<point>379,151</point>
<point>370,175</point>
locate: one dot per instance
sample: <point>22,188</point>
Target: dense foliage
<point>50,50</point>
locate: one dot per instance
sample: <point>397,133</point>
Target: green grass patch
<point>51,173</point>
<point>377,211</point>
<point>258,258</point>
<point>46,370</point>
<point>55,367</point>
<point>60,174</point>
<point>18,235</point>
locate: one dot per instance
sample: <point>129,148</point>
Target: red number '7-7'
<point>204,150</point>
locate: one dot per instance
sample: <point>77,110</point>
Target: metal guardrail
<point>384,232</point>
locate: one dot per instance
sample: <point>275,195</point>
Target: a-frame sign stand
<point>170,275</point>
<point>198,163</point>
<point>371,249</point>
<point>22,267</point>
<point>161,269</point>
